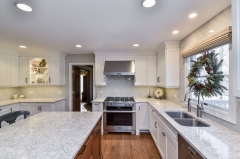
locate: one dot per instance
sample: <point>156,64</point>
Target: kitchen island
<point>48,135</point>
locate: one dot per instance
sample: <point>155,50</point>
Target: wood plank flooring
<point>127,146</point>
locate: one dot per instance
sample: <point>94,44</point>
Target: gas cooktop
<point>119,99</point>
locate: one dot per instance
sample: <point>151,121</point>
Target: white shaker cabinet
<point>100,79</point>
<point>141,117</point>
<point>141,76</point>
<point>97,107</point>
<point>14,65</point>
<point>24,79</point>
<point>152,70</point>
<point>59,106</point>
<point>57,71</point>
<point>5,61</point>
<point>168,65</point>
<point>235,55</point>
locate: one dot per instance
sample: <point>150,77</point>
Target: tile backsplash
<point>33,92</point>
<point>7,93</point>
<point>123,86</point>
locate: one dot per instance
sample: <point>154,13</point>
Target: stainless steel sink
<point>191,123</point>
<point>185,119</point>
<point>181,115</point>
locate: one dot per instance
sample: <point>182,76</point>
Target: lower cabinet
<point>91,149</point>
<point>141,117</point>
<point>164,136</point>
<point>33,108</point>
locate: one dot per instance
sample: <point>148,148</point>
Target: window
<point>221,102</point>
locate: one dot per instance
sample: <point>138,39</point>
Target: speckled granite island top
<point>30,100</point>
<point>47,135</point>
<point>214,142</point>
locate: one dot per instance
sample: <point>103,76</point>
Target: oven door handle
<point>106,111</point>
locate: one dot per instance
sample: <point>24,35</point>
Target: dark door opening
<point>84,78</point>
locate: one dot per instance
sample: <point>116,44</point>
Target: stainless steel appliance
<point>119,114</point>
<point>119,68</point>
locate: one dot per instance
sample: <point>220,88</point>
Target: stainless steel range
<point>119,114</point>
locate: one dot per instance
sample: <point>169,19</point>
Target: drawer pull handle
<point>163,134</point>
<point>191,151</point>
<point>84,147</point>
<point>155,125</point>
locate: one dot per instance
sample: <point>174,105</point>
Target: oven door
<point>119,120</point>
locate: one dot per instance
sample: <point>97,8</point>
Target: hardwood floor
<point>127,146</point>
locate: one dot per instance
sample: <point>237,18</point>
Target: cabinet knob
<point>155,125</point>
<point>163,134</point>
<point>49,80</point>
<point>26,79</point>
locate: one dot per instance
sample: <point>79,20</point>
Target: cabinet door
<point>99,68</point>
<point>171,146</point>
<point>46,108</point>
<point>24,71</point>
<point>142,116</point>
<point>171,68</point>
<point>4,70</point>
<point>97,107</point>
<point>151,70</point>
<point>4,110</point>
<point>35,109</point>
<point>59,106</point>
<point>141,71</point>
<point>54,71</point>
<point>25,107</point>
<point>14,71</point>
<point>96,145</point>
<point>162,67</point>
<point>162,141</point>
<point>154,129</point>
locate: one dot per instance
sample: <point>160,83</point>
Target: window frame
<point>229,114</point>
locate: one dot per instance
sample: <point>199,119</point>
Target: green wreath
<point>211,85</point>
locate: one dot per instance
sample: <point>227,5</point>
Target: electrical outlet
<point>175,96</point>
<point>30,92</point>
<point>59,92</point>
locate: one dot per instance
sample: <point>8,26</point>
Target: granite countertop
<point>48,135</point>
<point>30,100</point>
<point>214,142</point>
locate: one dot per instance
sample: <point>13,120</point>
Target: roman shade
<point>218,39</point>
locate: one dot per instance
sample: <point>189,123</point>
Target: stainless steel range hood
<point>119,68</point>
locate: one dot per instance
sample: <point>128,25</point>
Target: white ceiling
<point>100,25</point>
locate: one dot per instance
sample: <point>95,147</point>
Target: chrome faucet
<point>199,106</point>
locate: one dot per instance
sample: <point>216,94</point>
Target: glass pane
<point>219,101</point>
<point>39,71</point>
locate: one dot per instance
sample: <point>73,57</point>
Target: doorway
<point>82,87</point>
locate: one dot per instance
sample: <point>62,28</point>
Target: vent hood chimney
<point>119,68</point>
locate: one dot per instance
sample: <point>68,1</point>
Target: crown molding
<point>30,53</point>
<point>125,53</point>
<point>168,45</point>
<point>8,51</point>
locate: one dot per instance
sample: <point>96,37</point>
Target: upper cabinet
<point>100,79</point>
<point>42,70</point>
<point>9,68</point>
<point>235,56</point>
<point>145,71</point>
<point>168,65</point>
<point>5,69</point>
<point>141,76</point>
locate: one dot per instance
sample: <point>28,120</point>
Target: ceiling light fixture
<point>23,7</point>
<point>78,46</point>
<point>175,32</point>
<point>148,3</point>
<point>135,45</point>
<point>24,47</point>
<point>193,15</point>
<point>211,31</point>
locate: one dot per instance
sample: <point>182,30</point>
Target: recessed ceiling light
<point>23,7</point>
<point>135,45</point>
<point>211,31</point>
<point>24,47</point>
<point>78,45</point>
<point>148,3</point>
<point>175,32</point>
<point>193,15</point>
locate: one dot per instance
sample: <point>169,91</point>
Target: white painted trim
<point>229,114</point>
<point>122,53</point>
<point>70,81</point>
<point>9,52</point>
<point>34,54</point>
